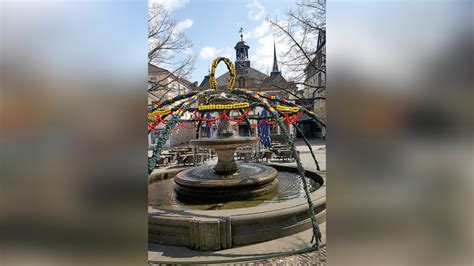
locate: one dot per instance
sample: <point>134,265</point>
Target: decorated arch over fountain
<point>228,179</point>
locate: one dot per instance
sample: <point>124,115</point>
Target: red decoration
<point>152,126</point>
<point>181,124</point>
<point>242,117</point>
<point>287,118</point>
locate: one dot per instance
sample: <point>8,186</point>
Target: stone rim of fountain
<point>266,176</point>
<point>223,229</point>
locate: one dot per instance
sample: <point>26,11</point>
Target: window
<point>156,135</point>
<point>241,82</point>
<point>273,129</point>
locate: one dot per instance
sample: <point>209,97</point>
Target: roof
<point>275,77</point>
<point>152,69</point>
<point>205,82</point>
<point>241,43</point>
<point>252,74</point>
<point>275,61</point>
<point>223,80</point>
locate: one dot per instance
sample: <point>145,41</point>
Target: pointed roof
<point>205,82</point>
<point>275,63</point>
<point>275,75</point>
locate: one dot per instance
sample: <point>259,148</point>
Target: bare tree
<point>303,30</point>
<point>168,48</point>
<point>300,31</point>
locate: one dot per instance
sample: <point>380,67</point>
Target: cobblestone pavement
<point>309,258</point>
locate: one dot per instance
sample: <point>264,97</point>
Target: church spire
<point>275,63</point>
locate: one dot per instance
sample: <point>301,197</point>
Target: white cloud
<point>212,52</point>
<point>262,29</point>
<point>265,47</point>
<point>169,5</point>
<point>207,52</point>
<point>262,59</point>
<point>184,24</point>
<point>256,10</point>
<point>259,31</point>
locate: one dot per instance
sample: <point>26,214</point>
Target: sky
<point>113,34</point>
<point>213,27</point>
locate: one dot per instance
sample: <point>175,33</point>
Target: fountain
<point>227,204</point>
<point>227,180</point>
<point>221,206</point>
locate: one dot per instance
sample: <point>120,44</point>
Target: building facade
<point>163,84</point>
<point>315,87</point>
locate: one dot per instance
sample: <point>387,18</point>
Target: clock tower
<point>242,53</point>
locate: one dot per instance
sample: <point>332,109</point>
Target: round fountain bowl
<point>224,143</point>
<point>251,180</point>
<point>225,149</point>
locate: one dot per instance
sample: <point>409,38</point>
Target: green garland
<point>316,232</point>
<point>161,142</point>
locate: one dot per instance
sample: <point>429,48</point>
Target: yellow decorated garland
<point>289,109</point>
<point>223,106</point>
<point>230,67</point>
<point>160,112</point>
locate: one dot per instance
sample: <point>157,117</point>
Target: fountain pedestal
<point>225,155</point>
<point>225,162</point>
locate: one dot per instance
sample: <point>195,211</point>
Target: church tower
<point>275,75</point>
<point>242,53</point>
<point>248,77</point>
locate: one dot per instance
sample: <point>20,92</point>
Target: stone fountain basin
<point>262,175</point>
<point>223,229</point>
<point>224,143</point>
